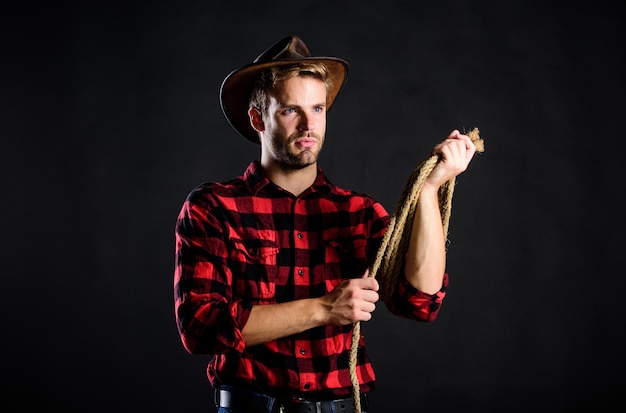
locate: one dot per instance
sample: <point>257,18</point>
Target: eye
<point>319,109</point>
<point>289,110</point>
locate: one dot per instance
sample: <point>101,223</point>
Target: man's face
<point>295,123</point>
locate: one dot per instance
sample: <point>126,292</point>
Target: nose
<point>306,122</point>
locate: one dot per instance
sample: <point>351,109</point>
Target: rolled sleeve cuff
<point>419,305</point>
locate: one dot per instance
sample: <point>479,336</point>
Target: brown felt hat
<point>237,86</point>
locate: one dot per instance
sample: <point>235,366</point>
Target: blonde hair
<point>267,80</point>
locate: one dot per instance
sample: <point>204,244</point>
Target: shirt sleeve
<point>209,320</point>
<point>414,304</point>
<point>407,301</point>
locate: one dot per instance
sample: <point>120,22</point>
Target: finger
<point>368,307</point>
<point>461,147</point>
<point>368,283</point>
<point>370,296</point>
<point>468,141</point>
<point>374,286</point>
<point>455,138</point>
<point>455,156</point>
<point>454,134</point>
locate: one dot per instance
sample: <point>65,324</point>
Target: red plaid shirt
<point>246,242</point>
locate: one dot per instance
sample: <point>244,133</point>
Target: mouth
<point>306,142</point>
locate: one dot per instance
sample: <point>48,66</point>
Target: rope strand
<point>390,255</point>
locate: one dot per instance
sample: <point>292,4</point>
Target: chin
<point>308,158</point>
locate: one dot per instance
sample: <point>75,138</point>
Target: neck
<point>295,181</point>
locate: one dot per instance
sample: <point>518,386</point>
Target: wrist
<point>429,189</point>
<point>319,312</point>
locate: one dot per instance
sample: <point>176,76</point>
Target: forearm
<point>426,255</point>
<point>273,321</point>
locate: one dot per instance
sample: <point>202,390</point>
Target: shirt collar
<point>257,181</point>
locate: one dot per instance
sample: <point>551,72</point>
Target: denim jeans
<point>227,410</point>
<point>270,408</point>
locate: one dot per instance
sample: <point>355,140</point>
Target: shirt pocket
<point>253,263</point>
<point>345,258</point>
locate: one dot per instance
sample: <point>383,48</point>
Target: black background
<point>110,116</point>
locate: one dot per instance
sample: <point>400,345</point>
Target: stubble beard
<point>291,161</point>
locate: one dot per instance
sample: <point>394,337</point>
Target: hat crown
<point>288,48</point>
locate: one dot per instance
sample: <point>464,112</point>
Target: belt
<point>251,402</point>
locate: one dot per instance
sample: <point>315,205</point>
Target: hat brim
<point>237,86</point>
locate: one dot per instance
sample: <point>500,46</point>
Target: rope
<point>391,253</point>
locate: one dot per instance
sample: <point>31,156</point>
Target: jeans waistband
<point>252,402</point>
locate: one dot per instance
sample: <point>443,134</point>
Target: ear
<point>256,120</point>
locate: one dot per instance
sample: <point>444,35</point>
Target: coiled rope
<point>390,255</point>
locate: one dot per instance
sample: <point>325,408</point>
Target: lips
<point>306,142</point>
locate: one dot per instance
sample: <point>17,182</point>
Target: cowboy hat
<point>236,87</point>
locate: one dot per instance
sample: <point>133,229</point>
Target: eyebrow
<point>293,105</point>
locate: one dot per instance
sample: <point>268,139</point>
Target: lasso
<point>390,255</point>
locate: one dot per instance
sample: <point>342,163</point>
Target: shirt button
<point>299,235</point>
<point>302,351</point>
<point>300,272</point>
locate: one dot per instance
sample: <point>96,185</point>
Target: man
<point>272,266</point>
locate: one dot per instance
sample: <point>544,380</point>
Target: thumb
<point>371,285</point>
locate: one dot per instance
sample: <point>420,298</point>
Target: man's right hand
<point>352,300</point>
